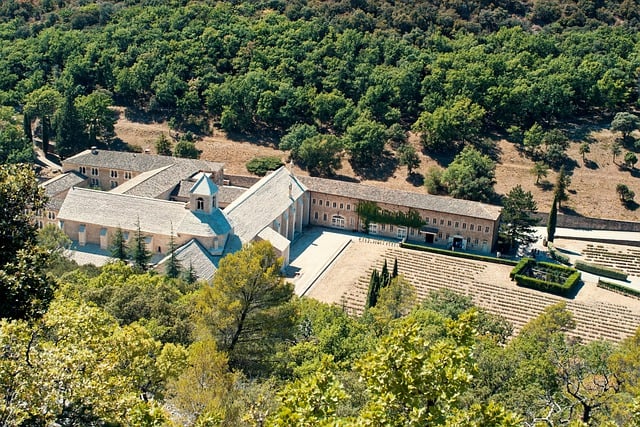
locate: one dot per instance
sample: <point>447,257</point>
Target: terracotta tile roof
<point>402,198</point>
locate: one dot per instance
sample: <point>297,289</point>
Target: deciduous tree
<point>407,156</point>
<point>517,222</point>
<point>470,176</point>
<point>625,123</point>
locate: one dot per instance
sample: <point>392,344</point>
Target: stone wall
<point>244,181</point>
<point>586,223</point>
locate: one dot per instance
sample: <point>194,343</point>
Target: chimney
<point>94,149</point>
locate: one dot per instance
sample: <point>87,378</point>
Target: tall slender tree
<point>139,253</point>
<point>70,138</point>
<point>118,247</point>
<point>553,219</point>
<point>173,265</point>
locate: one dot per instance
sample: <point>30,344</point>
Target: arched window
<point>200,203</point>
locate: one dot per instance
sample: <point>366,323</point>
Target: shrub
<point>457,254</point>
<point>521,266</point>
<point>568,277</point>
<point>618,288</point>
<point>261,165</point>
<point>601,270</point>
<point>557,255</point>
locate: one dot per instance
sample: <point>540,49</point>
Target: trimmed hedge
<point>600,270</point>
<point>618,288</point>
<point>557,255</point>
<point>458,254</point>
<point>562,289</point>
<point>524,263</point>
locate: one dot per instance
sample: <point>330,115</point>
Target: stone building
<point>447,222</point>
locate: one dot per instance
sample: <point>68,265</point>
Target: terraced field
<point>490,288</point>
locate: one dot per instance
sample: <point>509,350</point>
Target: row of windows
<point>95,172</point>
<point>456,224</point>
<point>328,203</point>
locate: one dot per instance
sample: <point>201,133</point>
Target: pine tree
<point>118,247</point>
<point>189,274</point>
<point>139,253</point>
<point>70,138</point>
<point>173,266</point>
<point>553,218</point>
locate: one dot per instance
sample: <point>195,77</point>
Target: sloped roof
<point>156,216</point>
<point>193,255</point>
<point>138,162</point>
<point>277,240</point>
<point>204,186</point>
<point>263,202</point>
<point>62,183</point>
<point>402,198</point>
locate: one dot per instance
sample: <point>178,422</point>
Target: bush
<point>601,270</point>
<point>562,289</point>
<point>521,266</point>
<point>261,165</point>
<point>557,255</point>
<point>618,288</point>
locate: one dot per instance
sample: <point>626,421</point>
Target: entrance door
<point>457,242</point>
<point>428,238</point>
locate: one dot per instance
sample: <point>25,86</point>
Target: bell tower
<point>203,196</point>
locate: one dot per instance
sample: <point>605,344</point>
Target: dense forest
<point>354,75</point>
<point>118,345</point>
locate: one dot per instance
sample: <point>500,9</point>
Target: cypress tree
<point>384,276</point>
<point>26,123</point>
<point>189,274</point>
<point>374,289</point>
<point>394,273</point>
<point>553,218</point>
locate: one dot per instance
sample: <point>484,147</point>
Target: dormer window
<point>200,203</point>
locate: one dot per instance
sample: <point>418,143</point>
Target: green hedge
<point>524,263</point>
<point>618,288</point>
<point>557,255</point>
<point>611,273</point>
<point>458,254</point>
<point>562,289</point>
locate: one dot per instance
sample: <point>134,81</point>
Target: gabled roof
<point>262,203</point>
<point>137,162</point>
<point>204,186</point>
<point>193,255</point>
<point>403,198</point>
<point>156,216</point>
<point>62,183</point>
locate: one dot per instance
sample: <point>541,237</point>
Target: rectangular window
<point>341,205</point>
<point>324,216</point>
<point>335,205</point>
<point>479,227</point>
<point>373,228</point>
<point>382,227</point>
<point>486,229</point>
<point>456,224</point>
<point>315,215</point>
<point>114,174</point>
<point>348,206</point>
<point>94,171</point>
<point>351,221</point>
<point>114,184</point>
<point>475,242</point>
<point>464,225</point>
<point>127,175</point>
<point>449,223</point>
<point>402,232</point>
<point>442,222</point>
<point>434,221</point>
<point>471,227</point>
<point>313,201</point>
<point>320,202</point>
<point>95,182</point>
<point>326,203</point>
<point>82,170</point>
<point>439,235</point>
<point>391,228</point>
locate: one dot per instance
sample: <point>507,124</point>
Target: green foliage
<point>77,366</point>
<point>584,149</point>
<point>118,246</point>
<point>370,212</point>
<point>25,289</point>
<point>517,222</point>
<point>625,194</point>
<point>320,154</point>
<point>433,181</point>
<point>470,176</point>
<point>14,146</point>
<point>615,287</point>
<point>163,145</point>
<point>173,268</point>
<point>625,123</point>
<point>43,103</point>
<point>630,160</point>
<point>70,136</point>
<point>552,221</point>
<point>540,170</point>
<point>138,251</point>
<point>96,115</point>
<point>407,156</point>
<point>247,310</point>
<point>295,136</point>
<point>557,255</point>
<point>186,149</point>
<point>545,277</point>
<point>261,165</point>
<point>600,270</point>
<point>365,140</point>
<point>563,181</point>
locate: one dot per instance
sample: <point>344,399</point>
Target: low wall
<point>586,223</point>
